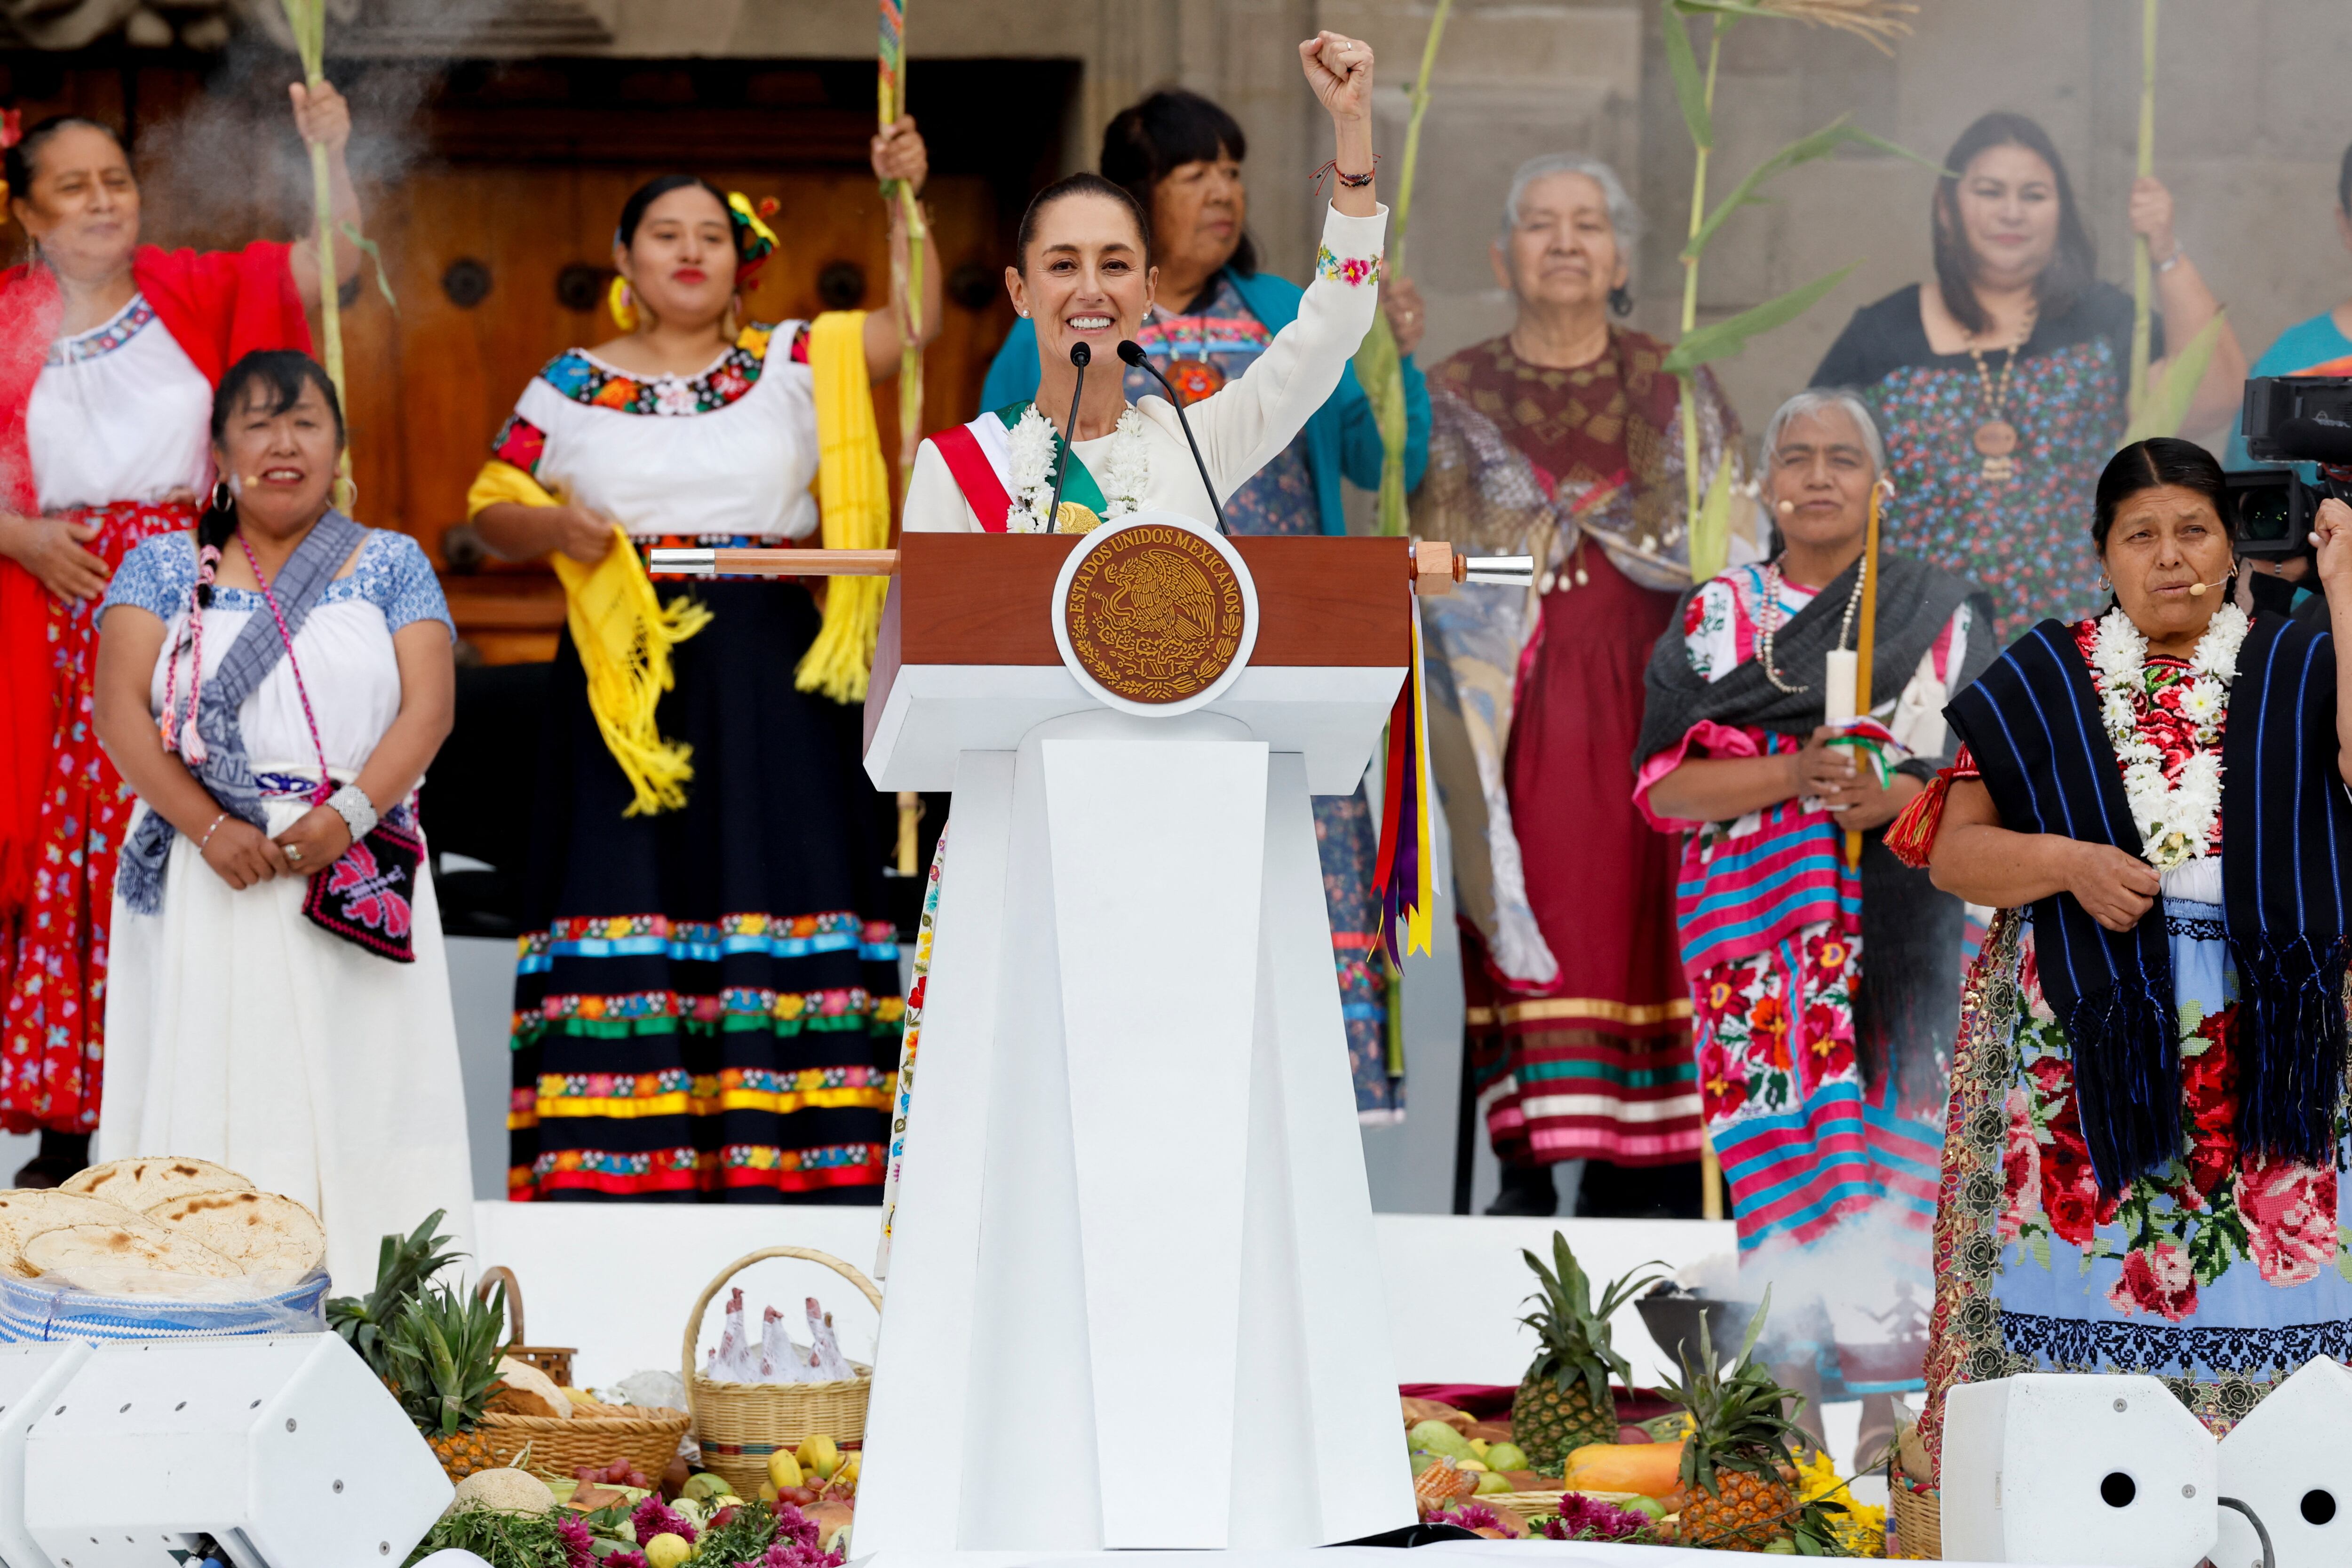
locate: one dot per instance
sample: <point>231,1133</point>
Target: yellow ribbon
<point>854,496</point>
<point>624,636</point>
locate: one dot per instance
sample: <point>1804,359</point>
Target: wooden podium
<point>1133,1298</point>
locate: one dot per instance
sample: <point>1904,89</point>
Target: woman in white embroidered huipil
<point>279,997</point>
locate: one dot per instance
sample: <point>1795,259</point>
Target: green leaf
<point>1725,339</point>
<point>1804,150</point>
<point>374,253</point>
<point>1690,88</point>
<point>2166,409</point>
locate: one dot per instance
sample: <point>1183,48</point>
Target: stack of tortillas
<point>159,1227</point>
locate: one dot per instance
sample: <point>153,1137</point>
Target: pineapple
<point>402,1265</point>
<point>1564,1402</point>
<point>445,1348</point>
<point>1738,1489</point>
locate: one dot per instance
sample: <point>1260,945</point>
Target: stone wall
<point>2247,130</point>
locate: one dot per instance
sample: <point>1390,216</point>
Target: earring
<point>622,304</point>
<point>1621,300</point>
<point>223,498</point>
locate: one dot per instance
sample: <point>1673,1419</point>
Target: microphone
<point>1132,352</point>
<point>1081,356</point>
<point>2197,589</point>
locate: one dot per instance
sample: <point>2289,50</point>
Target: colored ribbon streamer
<point>1406,866</point>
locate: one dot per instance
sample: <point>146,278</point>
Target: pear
<point>1490,1483</point>
<point>1437,1437</point>
<point>1505,1455</point>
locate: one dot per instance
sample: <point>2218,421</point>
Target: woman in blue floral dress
<point>1999,383</point>
<point>1181,156</point>
<point>2148,1117</point>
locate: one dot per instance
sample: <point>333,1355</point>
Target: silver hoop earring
<point>223,498</point>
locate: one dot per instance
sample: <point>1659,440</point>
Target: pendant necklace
<point>1768,621</point>
<point>1995,437</point>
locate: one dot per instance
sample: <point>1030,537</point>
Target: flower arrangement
<point>1034,443</point>
<point>1585,1517</point>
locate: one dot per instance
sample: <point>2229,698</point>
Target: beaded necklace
<point>1768,622</point>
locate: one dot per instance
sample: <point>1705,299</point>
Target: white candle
<point>1844,668</point>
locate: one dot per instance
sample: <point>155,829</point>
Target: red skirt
<point>53,955</point>
<point>1597,1064</point>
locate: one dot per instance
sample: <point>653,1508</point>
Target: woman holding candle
<point>1823,996</point>
<point>2148,1109</point>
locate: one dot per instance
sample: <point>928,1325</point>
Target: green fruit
<point>1490,1483</point>
<point>1648,1505</point>
<point>1422,1460</point>
<point>705,1486</point>
<point>1506,1456</point>
<point>1437,1437</point>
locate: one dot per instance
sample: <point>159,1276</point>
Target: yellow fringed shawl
<point>624,634</point>
<point>853,491</point>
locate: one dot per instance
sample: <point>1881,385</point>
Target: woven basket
<point>738,1425</point>
<point>1919,1518</point>
<point>552,1359</point>
<point>558,1445</point>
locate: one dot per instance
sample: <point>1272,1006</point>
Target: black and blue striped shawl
<point>2032,725</point>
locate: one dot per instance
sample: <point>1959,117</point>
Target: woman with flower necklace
<point>2148,1105</point>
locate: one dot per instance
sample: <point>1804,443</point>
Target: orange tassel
<point>1911,836</point>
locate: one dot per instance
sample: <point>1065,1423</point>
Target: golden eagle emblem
<point>1154,614</point>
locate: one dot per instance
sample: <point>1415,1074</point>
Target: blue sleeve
<point>1360,453</point>
<point>401,583</point>
<point>155,576</point>
<point>1013,374</point>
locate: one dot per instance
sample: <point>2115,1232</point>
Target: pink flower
<point>1588,1519</point>
<point>652,1517</point>
<point>2021,1169</point>
<point>579,1545</point>
<point>2290,1212</point>
<point>2159,1279</point>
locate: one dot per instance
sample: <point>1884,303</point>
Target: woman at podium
<point>706,999</point>
<point>1085,279</point>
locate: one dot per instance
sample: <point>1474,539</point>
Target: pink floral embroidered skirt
<point>2222,1274</point>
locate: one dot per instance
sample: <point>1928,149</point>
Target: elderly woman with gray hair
<point>1562,439</point>
<point>1824,1002</point>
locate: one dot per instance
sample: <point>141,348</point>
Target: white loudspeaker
<point>2288,1462</point>
<point>286,1450</point>
<point>30,1376</point>
<point>2089,1469</point>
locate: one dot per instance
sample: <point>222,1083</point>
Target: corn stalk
<point>1380,366</point>
<point>2143,273</point>
<point>1878,22</point>
<point>308,18</point>
<point>905,272</point>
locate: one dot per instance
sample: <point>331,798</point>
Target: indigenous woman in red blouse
<point>109,353</point>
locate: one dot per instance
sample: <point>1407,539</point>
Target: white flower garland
<point>1125,474</point>
<point>2176,819</point>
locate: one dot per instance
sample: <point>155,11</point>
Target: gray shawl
<point>226,772</point>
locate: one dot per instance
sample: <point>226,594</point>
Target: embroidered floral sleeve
<point>800,344</point>
<point>155,576</point>
<point>520,443</point>
<point>396,577</point>
<point>1355,271</point>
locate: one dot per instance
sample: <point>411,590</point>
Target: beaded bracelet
<point>358,813</point>
<point>210,832</point>
<point>1353,182</point>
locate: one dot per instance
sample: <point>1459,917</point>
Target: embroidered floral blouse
<point>728,453</point>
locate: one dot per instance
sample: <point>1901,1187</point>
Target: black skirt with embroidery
<point>707,1000</point>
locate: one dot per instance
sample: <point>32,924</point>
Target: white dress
<point>120,414</point>
<point>730,452</point>
<point>1242,426</point>
<point>236,1029</point>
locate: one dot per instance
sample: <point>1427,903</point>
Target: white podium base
<point>1135,1293</point>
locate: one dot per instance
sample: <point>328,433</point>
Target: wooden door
<point>430,388</point>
